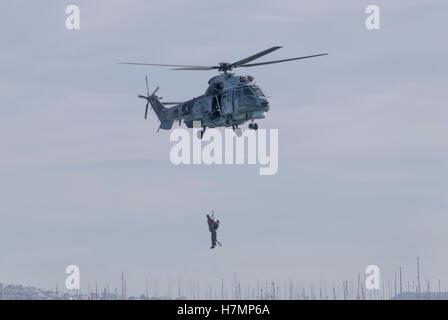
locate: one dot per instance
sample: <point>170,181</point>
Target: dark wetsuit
<point>212,227</point>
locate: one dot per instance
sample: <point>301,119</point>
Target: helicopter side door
<point>236,98</point>
<point>226,104</point>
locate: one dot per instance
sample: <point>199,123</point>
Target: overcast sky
<point>363,145</point>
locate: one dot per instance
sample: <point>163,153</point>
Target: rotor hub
<point>224,67</point>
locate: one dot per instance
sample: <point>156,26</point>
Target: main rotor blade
<point>146,109</point>
<point>147,85</point>
<point>278,61</point>
<point>164,65</point>
<point>196,68</point>
<point>255,56</point>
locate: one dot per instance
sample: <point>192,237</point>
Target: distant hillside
<point>19,292</point>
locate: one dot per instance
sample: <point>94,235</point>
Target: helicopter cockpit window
<point>243,92</point>
<point>257,91</point>
<point>247,92</point>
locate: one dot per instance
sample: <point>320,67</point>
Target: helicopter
<point>230,99</point>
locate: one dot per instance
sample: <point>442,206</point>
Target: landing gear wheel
<point>251,126</point>
<point>255,126</point>
<point>238,132</point>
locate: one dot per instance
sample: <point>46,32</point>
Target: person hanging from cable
<point>213,228</point>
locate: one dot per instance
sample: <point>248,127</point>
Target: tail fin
<point>158,107</point>
<point>160,111</point>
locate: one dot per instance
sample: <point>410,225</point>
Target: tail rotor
<point>146,97</point>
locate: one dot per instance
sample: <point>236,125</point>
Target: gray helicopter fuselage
<point>230,100</point>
